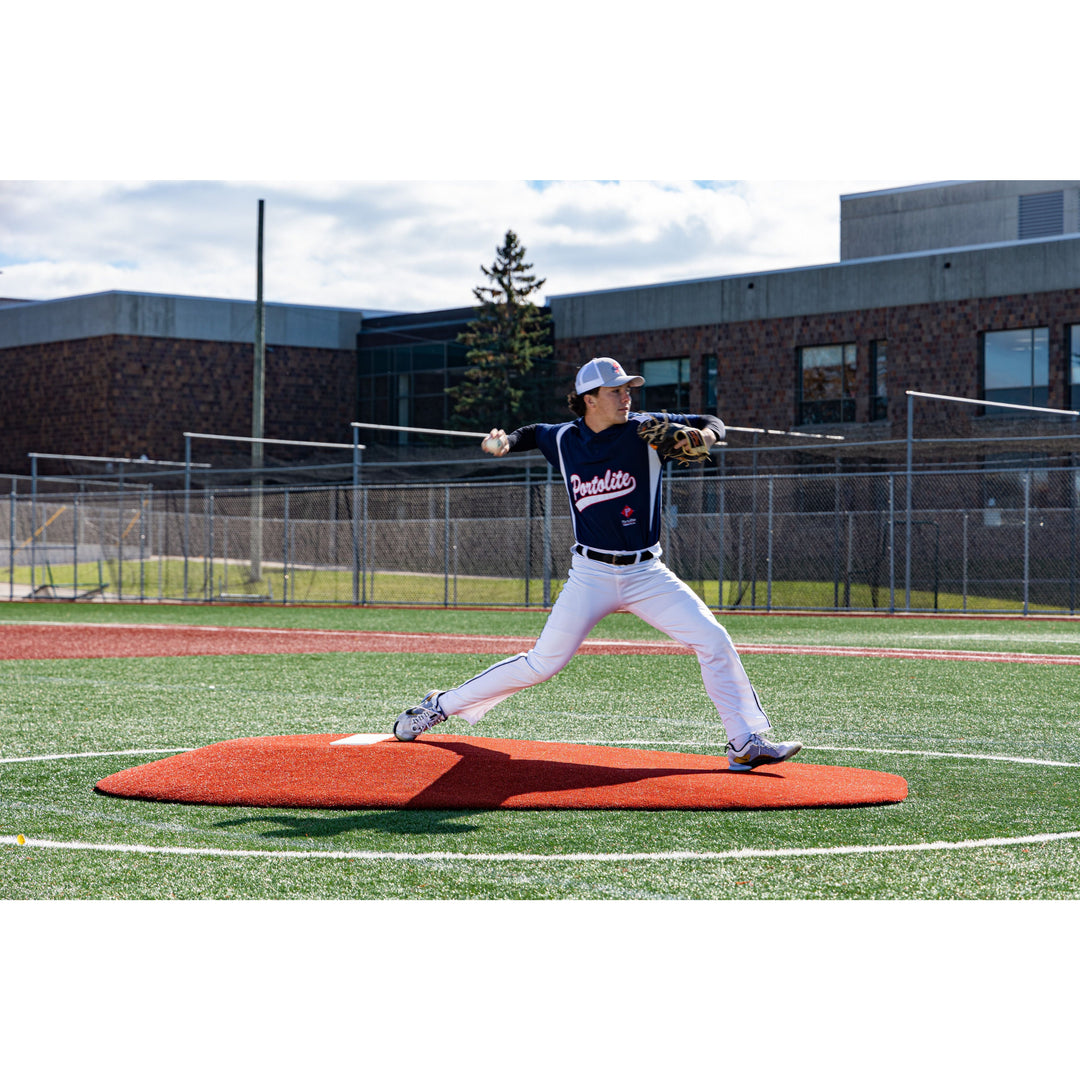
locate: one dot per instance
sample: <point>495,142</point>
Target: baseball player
<point>611,460</point>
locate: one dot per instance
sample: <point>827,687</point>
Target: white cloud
<point>410,245</point>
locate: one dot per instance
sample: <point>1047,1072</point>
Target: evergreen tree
<point>507,383</point>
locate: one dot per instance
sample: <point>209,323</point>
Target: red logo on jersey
<point>627,511</point>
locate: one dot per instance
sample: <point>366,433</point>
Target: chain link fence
<point>966,539</point>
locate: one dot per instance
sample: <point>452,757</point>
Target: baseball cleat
<point>757,750</point>
<point>419,718</point>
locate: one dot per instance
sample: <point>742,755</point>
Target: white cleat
<point>419,718</point>
<point>757,750</point>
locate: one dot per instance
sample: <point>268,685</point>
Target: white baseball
<point>493,444</point>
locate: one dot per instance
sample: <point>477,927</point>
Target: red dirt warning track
<point>84,641</point>
<point>444,772</point>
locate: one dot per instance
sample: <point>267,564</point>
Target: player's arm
<point>712,427</point>
<point>499,443</point>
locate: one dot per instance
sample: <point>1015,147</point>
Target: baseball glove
<point>674,441</point>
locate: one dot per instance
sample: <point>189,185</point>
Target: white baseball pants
<point>592,590</point>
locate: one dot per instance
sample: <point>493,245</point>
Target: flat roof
<point>908,187</point>
<point>163,315</point>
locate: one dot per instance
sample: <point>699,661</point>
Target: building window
<point>1016,367</point>
<point>406,385</point>
<point>712,367</point>
<point>1042,214</point>
<point>1074,367</point>
<point>667,385</point>
<point>879,371</point>
<point>826,387</point>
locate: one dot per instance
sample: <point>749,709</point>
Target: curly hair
<point>576,403</point>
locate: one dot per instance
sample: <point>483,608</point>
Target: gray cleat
<point>757,750</point>
<point>419,718</point>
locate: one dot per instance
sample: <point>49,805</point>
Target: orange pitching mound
<point>441,772</point>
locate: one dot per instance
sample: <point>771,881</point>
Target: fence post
<point>285,545</point>
<point>33,525</point>
<point>120,536</point>
<point>1075,498</point>
<point>11,541</point>
<point>355,522</point>
<point>769,552</point>
<point>836,537</point>
<point>720,533</point>
<point>547,539</point>
<point>75,546</point>
<point>355,542</point>
<point>143,511</point>
<point>892,543</point>
<point>528,530</point>
<point>208,559</point>
<point>365,533</point>
<point>456,548</point>
<point>907,544</point>
<point>1027,538</point>
<point>741,558</point>
<point>187,508</point>
<point>446,545</point>
<point>851,542</point>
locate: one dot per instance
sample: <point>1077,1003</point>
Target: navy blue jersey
<point>613,478</point>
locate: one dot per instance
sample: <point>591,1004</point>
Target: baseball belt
<point>614,560</point>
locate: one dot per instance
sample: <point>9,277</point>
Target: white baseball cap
<point>603,371</point>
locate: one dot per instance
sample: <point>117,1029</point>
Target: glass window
<point>709,397</point>
<point>879,370</point>
<point>373,404</point>
<point>429,411</point>
<point>428,383</point>
<point>667,385</point>
<point>428,357</point>
<point>827,384</point>
<point>1016,367</point>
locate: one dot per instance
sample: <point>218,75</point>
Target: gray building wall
<point>929,217</point>
<point>190,318</point>
<point>1021,267</point>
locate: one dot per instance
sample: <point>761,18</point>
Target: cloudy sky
<point>401,245</point>
<point>196,113</point>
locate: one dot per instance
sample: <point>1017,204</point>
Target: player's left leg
<point>664,601</point>
<point>588,594</point>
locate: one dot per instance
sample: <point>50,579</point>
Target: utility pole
<point>258,406</point>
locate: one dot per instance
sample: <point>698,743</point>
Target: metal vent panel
<point>1042,214</point>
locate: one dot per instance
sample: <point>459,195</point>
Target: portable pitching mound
<point>455,772</point>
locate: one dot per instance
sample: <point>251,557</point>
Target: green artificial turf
<point>949,727</point>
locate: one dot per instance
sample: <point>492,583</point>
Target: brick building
<point>125,374</point>
<point>965,289</point>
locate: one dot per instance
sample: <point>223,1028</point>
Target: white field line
<point>597,742</point>
<point>566,857</point>
<point>843,749</point>
<point>950,754</point>
<point>96,753</point>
